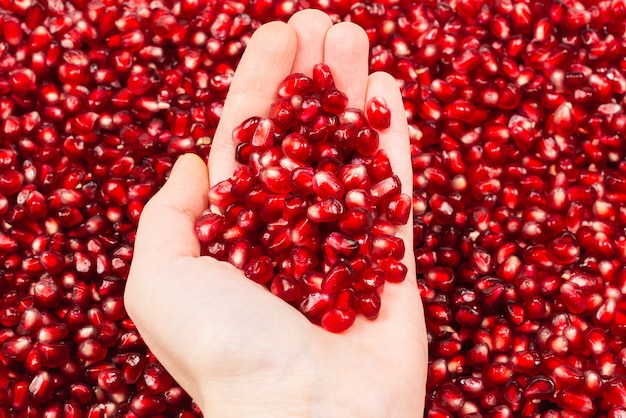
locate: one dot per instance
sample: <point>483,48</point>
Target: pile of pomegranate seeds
<point>517,124</point>
<point>311,212</point>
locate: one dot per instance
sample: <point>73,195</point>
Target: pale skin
<point>238,350</point>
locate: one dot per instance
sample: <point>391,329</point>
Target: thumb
<point>166,233</point>
<point>166,226</point>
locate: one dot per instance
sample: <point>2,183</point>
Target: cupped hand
<point>237,349</point>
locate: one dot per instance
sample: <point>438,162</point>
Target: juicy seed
<point>355,221</point>
<point>316,304</point>
<point>209,226</point>
<point>338,319</point>
<point>385,189</point>
<point>295,85</point>
<point>322,77</point>
<point>263,136</point>
<point>328,210</point>
<point>378,113</point>
<point>338,277</point>
<point>394,270</point>
<point>399,209</point>
<point>259,269</point>
<point>368,304</point>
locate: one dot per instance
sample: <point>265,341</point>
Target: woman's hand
<point>235,347</point>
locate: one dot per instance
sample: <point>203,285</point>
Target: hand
<point>237,349</point>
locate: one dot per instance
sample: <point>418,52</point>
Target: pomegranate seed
<point>385,189</point>
<point>143,404</point>
<point>338,319</point>
<point>568,376</point>
<point>133,367</point>
<point>91,351</point>
<point>450,397</point>
<point>338,277</point>
<point>51,333</point>
<point>285,287</point>
<point>378,113</point>
<point>259,269</point>
<point>327,185</point>
<point>355,221</point>
<point>54,355</point>
<point>342,245</point>
<point>394,270</point>
<point>208,226</point>
<point>387,246</point>
<point>399,209</point>
<point>10,182</point>
<point>575,401</point>
<point>42,386</point>
<point>20,393</point>
<point>327,210</point>
<point>16,348</point>
<point>315,304</point>
<point>295,85</point>
<point>156,379</point>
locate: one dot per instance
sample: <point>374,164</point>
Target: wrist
<point>279,395</point>
<point>313,390</point>
<point>315,380</point>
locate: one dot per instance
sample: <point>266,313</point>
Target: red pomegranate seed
<point>394,270</point>
<point>208,226</point>
<point>327,185</point>
<point>20,394</point>
<point>285,287</point>
<point>342,245</point>
<point>399,209</point>
<point>54,355</point>
<point>354,177</point>
<point>143,404</point>
<point>378,113</point>
<point>575,401</point>
<point>295,146</point>
<point>52,333</point>
<point>16,348</point>
<point>385,189</point>
<point>355,221</point>
<point>338,319</point>
<point>259,269</point>
<point>42,386</point>
<point>10,182</point>
<point>368,304</point>
<point>315,304</point>
<point>450,397</point>
<point>133,367</point>
<point>91,351</point>
<point>387,246</point>
<point>155,379</point>
<point>263,136</point>
<point>327,210</point>
<point>340,276</point>
<point>568,376</point>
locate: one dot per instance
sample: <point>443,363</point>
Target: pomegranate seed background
<point>516,112</point>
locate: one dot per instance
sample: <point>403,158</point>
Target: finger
<point>395,141</point>
<point>166,226</point>
<point>310,26</point>
<point>267,61</point>
<point>346,51</point>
